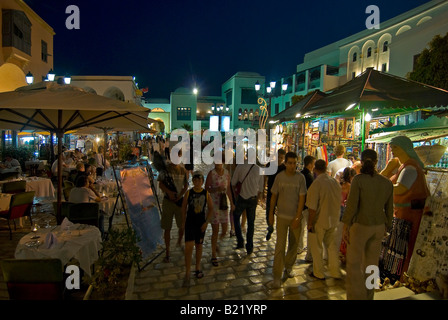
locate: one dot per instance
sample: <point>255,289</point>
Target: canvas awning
<point>299,107</point>
<point>49,106</point>
<point>432,128</point>
<point>374,89</point>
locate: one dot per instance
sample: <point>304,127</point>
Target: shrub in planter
<point>119,252</point>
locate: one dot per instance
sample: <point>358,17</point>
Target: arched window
<point>385,46</point>
<point>369,52</point>
<point>355,57</point>
<point>240,114</point>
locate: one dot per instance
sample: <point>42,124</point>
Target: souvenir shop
<point>318,137</point>
<point>429,258</point>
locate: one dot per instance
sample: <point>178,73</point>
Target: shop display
<point>431,247</point>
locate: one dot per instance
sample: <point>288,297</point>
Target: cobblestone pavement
<point>238,276</point>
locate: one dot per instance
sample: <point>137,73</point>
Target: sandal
<point>215,262</point>
<point>198,274</point>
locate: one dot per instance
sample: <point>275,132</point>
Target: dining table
<point>43,187</point>
<point>65,242</point>
<point>34,166</point>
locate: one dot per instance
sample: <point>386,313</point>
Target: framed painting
<point>340,129</point>
<point>331,127</point>
<point>350,128</point>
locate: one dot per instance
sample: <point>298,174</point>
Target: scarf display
<point>394,249</point>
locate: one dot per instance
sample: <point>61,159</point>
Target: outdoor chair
<point>66,192</point>
<point>20,206</point>
<point>68,184</point>
<point>33,279</point>
<point>84,213</point>
<point>14,187</point>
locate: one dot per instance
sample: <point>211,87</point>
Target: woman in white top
<point>81,192</point>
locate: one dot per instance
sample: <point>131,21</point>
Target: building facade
<point>27,45</point>
<point>393,48</point>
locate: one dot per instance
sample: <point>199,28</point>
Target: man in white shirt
<point>288,194</point>
<point>339,162</point>
<point>251,192</point>
<point>10,162</point>
<point>323,200</point>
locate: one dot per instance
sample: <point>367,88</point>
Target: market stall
<point>370,101</point>
<point>430,255</point>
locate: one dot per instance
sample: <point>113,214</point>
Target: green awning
<point>431,128</point>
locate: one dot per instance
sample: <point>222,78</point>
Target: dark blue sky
<point>167,44</point>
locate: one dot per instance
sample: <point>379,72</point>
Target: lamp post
<point>265,107</point>
<point>219,111</point>
<point>51,76</point>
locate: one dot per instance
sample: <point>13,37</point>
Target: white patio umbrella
<point>49,106</point>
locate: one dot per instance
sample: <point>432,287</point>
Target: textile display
<point>142,208</point>
<point>394,249</point>
<point>431,247</point>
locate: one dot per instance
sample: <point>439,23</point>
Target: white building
<point>392,48</point>
<point>122,88</point>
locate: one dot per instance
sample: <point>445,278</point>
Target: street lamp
<point>51,75</point>
<point>67,79</point>
<point>220,112</point>
<point>265,107</point>
<point>29,78</point>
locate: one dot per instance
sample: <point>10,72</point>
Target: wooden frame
<point>340,127</point>
<point>331,127</point>
<point>350,128</point>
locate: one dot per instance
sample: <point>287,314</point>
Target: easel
<point>120,196</point>
<point>154,191</point>
<point>151,181</point>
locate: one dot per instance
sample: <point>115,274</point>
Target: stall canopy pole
<point>60,136</point>
<point>363,129</point>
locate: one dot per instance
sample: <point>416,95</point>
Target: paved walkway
<point>238,276</point>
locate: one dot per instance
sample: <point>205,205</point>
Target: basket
<point>430,154</point>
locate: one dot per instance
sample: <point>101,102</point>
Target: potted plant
<point>112,270</point>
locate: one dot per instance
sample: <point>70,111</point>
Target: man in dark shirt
<point>307,171</point>
<point>270,182</point>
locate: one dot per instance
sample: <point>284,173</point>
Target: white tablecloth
<point>82,242</point>
<point>106,186</point>
<point>42,186</point>
<point>39,163</point>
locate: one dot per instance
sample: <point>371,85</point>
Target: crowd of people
<point>342,208</point>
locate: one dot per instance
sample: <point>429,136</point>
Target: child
<point>194,222</point>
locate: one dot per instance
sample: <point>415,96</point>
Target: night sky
<point>168,44</point>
